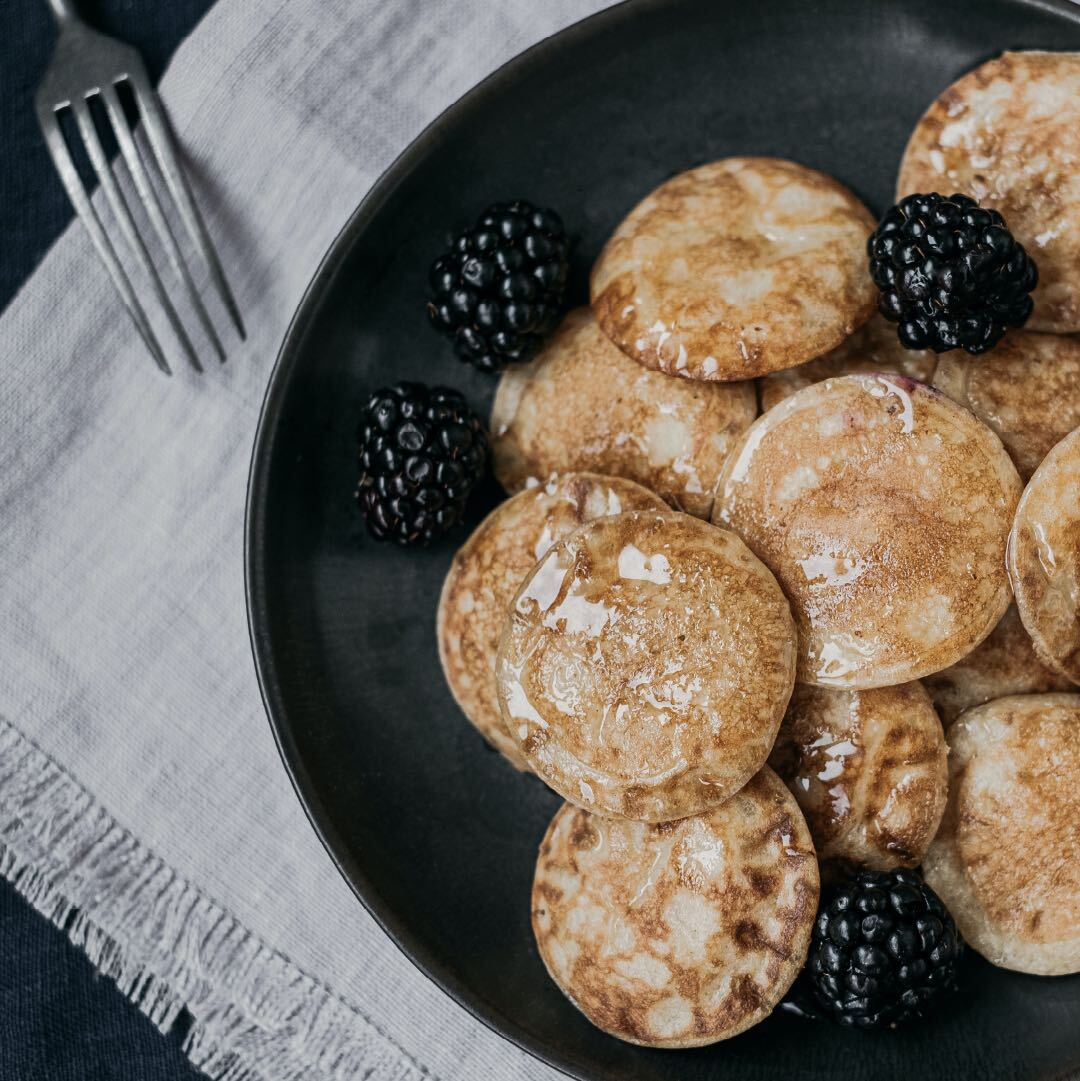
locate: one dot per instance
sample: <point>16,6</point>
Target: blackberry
<point>422,450</point>
<point>950,273</point>
<point>883,949</point>
<point>499,289</point>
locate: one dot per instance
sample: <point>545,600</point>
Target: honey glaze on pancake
<point>872,348</point>
<point>490,566</point>
<point>1008,134</point>
<point>1026,389</point>
<point>1003,664</point>
<point>867,769</point>
<point>1044,558</point>
<point>883,508</point>
<point>734,269</point>
<point>646,664</point>
<point>683,933</point>
<point>583,404</point>
<point>1006,860</point>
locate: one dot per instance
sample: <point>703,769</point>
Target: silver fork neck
<point>63,11</point>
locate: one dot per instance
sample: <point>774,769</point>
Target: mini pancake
<point>490,566</point>
<point>1026,389</point>
<point>645,666</point>
<point>1003,664</point>
<point>883,509</point>
<point>582,404</point>
<point>1044,558</point>
<point>734,269</point>
<point>872,348</point>
<point>683,933</point>
<point>1006,860</point>
<point>1008,135</point>
<point>867,769</point>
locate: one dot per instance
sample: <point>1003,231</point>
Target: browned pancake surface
<point>1006,860</point>
<point>1003,664</point>
<point>683,933</point>
<point>734,269</point>
<point>646,664</point>
<point>1026,389</point>
<point>883,508</point>
<point>868,770</point>
<point>490,566</point>
<point>583,404</point>
<point>1008,134</point>
<point>872,348</point>
<point>1044,558</point>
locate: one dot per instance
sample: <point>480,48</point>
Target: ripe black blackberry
<point>950,273</point>
<point>422,450</point>
<point>499,289</point>
<point>883,949</point>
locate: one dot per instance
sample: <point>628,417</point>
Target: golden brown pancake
<point>683,933</point>
<point>1044,558</point>
<point>883,508</point>
<point>872,348</point>
<point>1026,389</point>
<point>1003,664</point>
<point>1008,135</point>
<point>734,269</point>
<point>645,666</point>
<point>491,565</point>
<point>1006,860</point>
<point>867,769</point>
<point>582,404</point>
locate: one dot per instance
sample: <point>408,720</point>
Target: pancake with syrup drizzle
<point>872,348</point>
<point>1026,389</point>
<point>683,933</point>
<point>1008,135</point>
<point>1006,860</point>
<point>490,566</point>
<point>582,404</point>
<point>734,269</point>
<point>646,664</point>
<point>1044,558</point>
<point>1003,664</point>
<point>883,509</point>
<point>867,769</point>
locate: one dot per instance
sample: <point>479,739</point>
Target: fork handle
<point>63,10</point>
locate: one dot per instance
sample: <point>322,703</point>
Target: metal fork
<point>85,65</point>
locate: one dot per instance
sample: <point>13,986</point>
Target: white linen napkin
<point>143,806</point>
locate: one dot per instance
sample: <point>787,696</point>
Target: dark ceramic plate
<point>435,833</point>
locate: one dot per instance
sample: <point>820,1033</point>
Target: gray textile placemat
<point>142,803</point>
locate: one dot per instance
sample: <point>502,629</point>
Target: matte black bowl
<point>436,834</point>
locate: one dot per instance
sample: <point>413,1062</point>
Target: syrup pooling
<point>867,769</point>
<point>734,269</point>
<point>882,507</point>
<point>490,566</point>
<point>645,666</point>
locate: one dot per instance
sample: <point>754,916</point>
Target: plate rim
<point>270,409</point>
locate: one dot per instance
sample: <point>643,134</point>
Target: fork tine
<point>61,156</point>
<point>150,201</point>
<point>115,197</point>
<point>161,141</point>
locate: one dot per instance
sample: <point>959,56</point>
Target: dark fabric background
<point>60,1021</point>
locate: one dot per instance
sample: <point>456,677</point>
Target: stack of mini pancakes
<point>721,637</point>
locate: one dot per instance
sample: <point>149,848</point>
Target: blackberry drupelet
<point>883,949</point>
<point>499,289</point>
<point>422,450</point>
<point>950,273</point>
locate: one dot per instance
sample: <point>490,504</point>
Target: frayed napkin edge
<point>255,1016</point>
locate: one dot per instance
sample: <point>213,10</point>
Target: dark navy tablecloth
<point>60,1021</point>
